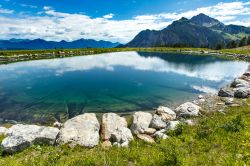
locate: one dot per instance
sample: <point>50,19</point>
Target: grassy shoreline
<point>10,56</point>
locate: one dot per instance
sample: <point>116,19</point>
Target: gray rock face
<point>110,123</point>
<point>81,130</point>
<point>157,122</point>
<point>3,131</point>
<point>14,144</point>
<point>166,113</point>
<point>187,110</point>
<point>172,125</point>
<point>160,135</point>
<point>226,92</point>
<point>141,121</point>
<point>242,92</point>
<point>122,136</point>
<point>21,136</point>
<point>240,83</point>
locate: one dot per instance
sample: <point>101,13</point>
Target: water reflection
<point>113,82</point>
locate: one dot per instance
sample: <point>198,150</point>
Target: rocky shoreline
<point>50,54</point>
<point>113,130</point>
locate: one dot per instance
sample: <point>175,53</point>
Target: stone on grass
<point>240,83</point>
<point>122,136</point>
<point>166,113</point>
<point>187,110</point>
<point>106,145</point>
<point>146,138</point>
<point>110,123</point>
<point>141,121</point>
<point>20,136</point>
<point>3,131</point>
<point>172,125</point>
<point>160,135</point>
<point>226,92</point>
<point>150,131</point>
<point>157,122</point>
<point>242,92</point>
<point>81,130</point>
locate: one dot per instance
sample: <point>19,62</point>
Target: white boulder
<point>141,121</point>
<point>166,113</point>
<point>20,136</point>
<point>187,109</point>
<point>157,122</point>
<point>81,130</point>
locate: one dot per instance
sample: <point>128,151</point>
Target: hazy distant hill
<point>43,44</point>
<point>199,31</point>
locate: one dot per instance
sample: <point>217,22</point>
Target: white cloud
<point>53,25</point>
<point>28,6</point>
<point>5,11</point>
<point>108,16</point>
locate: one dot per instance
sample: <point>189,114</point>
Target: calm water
<point>46,90</point>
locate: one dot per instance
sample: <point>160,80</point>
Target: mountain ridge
<point>199,31</point>
<point>36,44</point>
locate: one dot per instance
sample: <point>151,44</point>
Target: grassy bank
<point>25,55</point>
<point>217,139</point>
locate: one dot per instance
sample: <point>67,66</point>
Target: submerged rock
<point>226,92</point>
<point>81,130</point>
<point>141,121</point>
<point>21,136</point>
<point>187,110</point>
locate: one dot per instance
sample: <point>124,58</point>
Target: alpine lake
<point>44,91</point>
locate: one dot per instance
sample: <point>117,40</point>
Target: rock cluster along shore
<point>86,131</point>
<point>239,88</point>
<point>113,130</point>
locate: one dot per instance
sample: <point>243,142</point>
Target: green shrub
<point>235,125</point>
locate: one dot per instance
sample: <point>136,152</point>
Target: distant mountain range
<point>17,44</point>
<point>199,31</point>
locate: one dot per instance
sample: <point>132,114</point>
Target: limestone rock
<point>58,124</point>
<point>242,92</point>
<point>81,130</point>
<point>239,83</point>
<point>172,125</point>
<point>21,136</point>
<point>150,131</point>
<point>106,145</point>
<point>187,110</point>
<point>226,92</point>
<point>157,122</point>
<point>3,131</point>
<point>110,123</point>
<point>122,136</point>
<point>141,121</point>
<point>160,135</point>
<point>166,113</point>
<point>146,138</point>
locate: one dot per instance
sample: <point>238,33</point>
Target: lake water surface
<point>45,90</point>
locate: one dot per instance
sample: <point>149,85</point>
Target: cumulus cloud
<point>50,24</point>
<point>108,16</point>
<point>5,11</point>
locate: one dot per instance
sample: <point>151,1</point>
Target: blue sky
<point>112,20</point>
